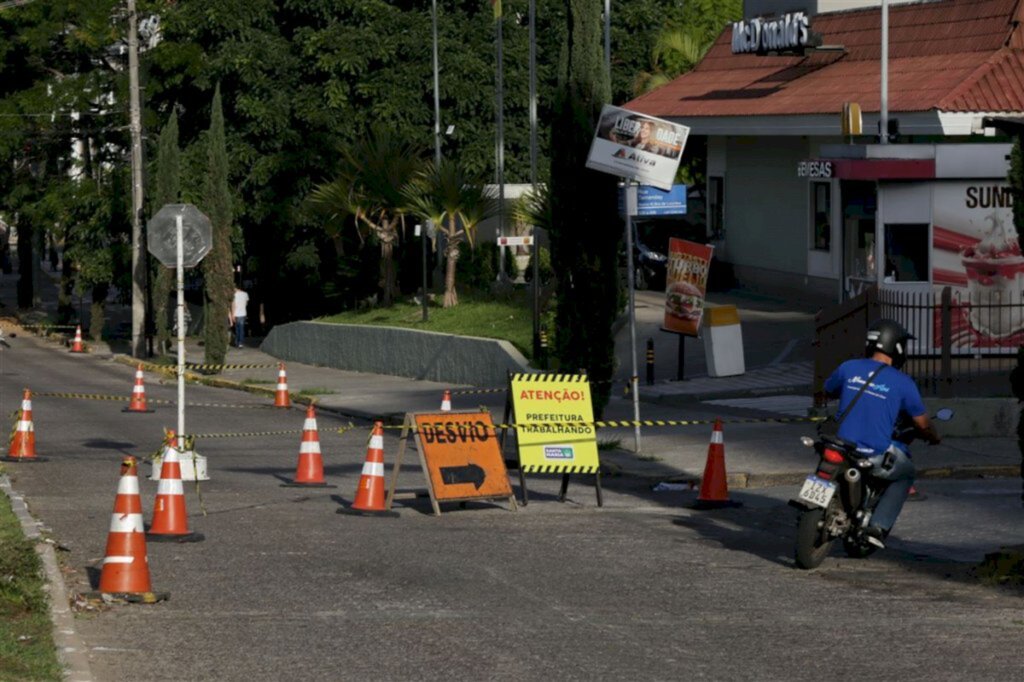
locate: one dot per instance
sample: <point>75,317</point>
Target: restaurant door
<point>859,206</point>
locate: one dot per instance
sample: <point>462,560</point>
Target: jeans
<point>239,330</point>
<point>899,471</point>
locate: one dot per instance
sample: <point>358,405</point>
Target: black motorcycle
<point>838,499</point>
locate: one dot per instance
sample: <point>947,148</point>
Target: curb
<point>71,651</point>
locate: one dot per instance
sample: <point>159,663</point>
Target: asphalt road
<point>284,587</point>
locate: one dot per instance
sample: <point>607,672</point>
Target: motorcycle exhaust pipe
<point>853,490</point>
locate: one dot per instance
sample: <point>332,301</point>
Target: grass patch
<point>509,318</point>
<point>609,444</point>
<point>250,380</point>
<point>314,391</point>
<point>27,651</point>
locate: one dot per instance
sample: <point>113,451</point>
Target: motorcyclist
<point>871,421</point>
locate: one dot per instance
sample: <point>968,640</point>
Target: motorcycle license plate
<point>817,491</point>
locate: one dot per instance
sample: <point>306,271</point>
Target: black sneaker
<point>875,536</point>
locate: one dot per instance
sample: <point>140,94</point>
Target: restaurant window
<point>716,201</point>
<point>821,216</point>
<point>906,253</point>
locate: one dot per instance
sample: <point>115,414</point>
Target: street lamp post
<point>883,115</point>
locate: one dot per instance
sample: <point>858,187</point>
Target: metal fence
<point>966,344</point>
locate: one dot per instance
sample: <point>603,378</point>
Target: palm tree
<point>676,51</point>
<point>456,204</point>
<point>372,174</point>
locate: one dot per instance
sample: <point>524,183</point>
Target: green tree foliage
<point>585,230</point>
<point>166,190</point>
<point>1016,180</point>
<point>217,270</point>
<point>683,40</point>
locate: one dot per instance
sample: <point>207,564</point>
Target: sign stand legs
<point>510,414</point>
<point>597,488</point>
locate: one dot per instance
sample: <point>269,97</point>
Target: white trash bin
<point>723,341</point>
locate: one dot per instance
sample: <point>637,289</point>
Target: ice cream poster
<point>976,252</point>
<point>686,280</point>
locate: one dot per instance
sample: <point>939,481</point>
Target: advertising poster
<point>686,281</point>
<point>556,433</point>
<point>977,253</point>
<point>637,146</point>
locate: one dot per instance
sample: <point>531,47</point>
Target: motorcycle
<point>838,499</point>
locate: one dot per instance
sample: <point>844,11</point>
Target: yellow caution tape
<point>644,422</point>
<point>205,368</point>
<point>286,432</point>
<point>156,401</point>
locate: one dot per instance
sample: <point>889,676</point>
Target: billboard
<point>686,280</point>
<point>637,147</point>
<point>976,252</point>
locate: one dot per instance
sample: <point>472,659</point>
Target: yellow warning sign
<point>556,433</point>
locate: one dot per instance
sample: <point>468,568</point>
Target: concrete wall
<point>401,352</point>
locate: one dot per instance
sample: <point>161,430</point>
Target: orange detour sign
<point>460,455</point>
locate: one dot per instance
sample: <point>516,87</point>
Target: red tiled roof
<point>950,55</point>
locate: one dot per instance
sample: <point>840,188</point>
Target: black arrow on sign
<point>470,473</point>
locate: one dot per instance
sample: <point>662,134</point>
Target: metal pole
<point>138,257</point>
<point>883,116</point>
<point>437,103</point>
<point>181,332</point>
<point>423,242</point>
<point>608,38</point>
<point>634,379</point>
<point>500,152</point>
<point>533,175</point>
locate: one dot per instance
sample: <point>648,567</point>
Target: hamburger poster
<point>686,280</point>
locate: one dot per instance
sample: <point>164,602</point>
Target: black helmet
<point>889,337</point>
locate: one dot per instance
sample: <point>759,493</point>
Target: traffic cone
<point>281,397</point>
<point>714,489</point>
<point>138,403</point>
<point>125,573</point>
<point>310,471</point>
<point>76,345</point>
<point>170,520</point>
<point>370,495</point>
<point>446,401</point>
<point>915,495</point>
<point>23,439</point>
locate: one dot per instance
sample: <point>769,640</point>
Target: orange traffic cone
<point>310,471</point>
<point>76,345</point>
<point>714,489</point>
<point>446,401</point>
<point>125,572</point>
<point>23,440</point>
<point>915,495</point>
<point>170,520</point>
<point>370,495</point>
<point>138,403</point>
<point>281,397</point>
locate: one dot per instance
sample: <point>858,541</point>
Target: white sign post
<point>191,234</point>
<point>641,149</point>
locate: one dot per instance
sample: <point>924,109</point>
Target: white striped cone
<point>310,470</point>
<point>138,402</point>
<point>281,397</point>
<point>76,345</point>
<point>126,566</point>
<point>169,515</point>
<point>446,401</point>
<point>370,495</point>
<point>23,444</point>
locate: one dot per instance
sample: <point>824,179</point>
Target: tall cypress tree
<point>216,204</point>
<point>585,231</point>
<point>167,190</point>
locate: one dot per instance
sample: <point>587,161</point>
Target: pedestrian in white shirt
<point>238,306</point>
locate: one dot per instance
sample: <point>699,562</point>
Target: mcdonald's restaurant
<point>831,169</point>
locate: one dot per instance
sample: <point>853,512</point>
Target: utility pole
<point>135,125</point>
<point>883,110</point>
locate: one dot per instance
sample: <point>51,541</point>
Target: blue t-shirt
<point>872,419</point>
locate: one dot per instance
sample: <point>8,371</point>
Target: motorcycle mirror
<point>945,414</point>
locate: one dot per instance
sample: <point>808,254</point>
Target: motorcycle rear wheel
<point>812,542</point>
